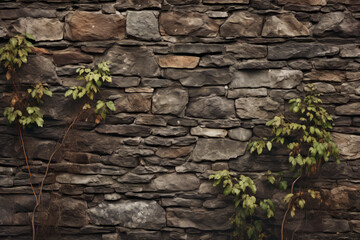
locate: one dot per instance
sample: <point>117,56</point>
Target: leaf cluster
<point>34,116</point>
<point>244,190</point>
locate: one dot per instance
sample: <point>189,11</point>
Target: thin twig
<point>288,208</point>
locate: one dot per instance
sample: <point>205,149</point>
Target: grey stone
<point>180,202</point>
<point>217,61</point>
<point>217,149</point>
<point>184,141</point>
<point>149,119</point>
<point>170,131</point>
<point>129,213</point>
<point>244,50</point>
<point>249,108</point>
<point>350,51</point>
<point>268,78</point>
<point>250,92</point>
<point>241,134</point>
<point>3,32</point>
<point>300,64</point>
<point>38,69</point>
<point>142,25</point>
<point>91,26</point>
<point>137,4</point>
<point>178,23</point>
<point>301,50</point>
<point>130,61</point>
<point>176,182</point>
<point>206,91</point>
<point>157,141</point>
<point>157,82</point>
<point>192,167</point>
<point>199,218</point>
<point>197,48</point>
<point>173,153</point>
<point>27,12</point>
<point>133,102</point>
<point>183,2</point>
<point>226,1</point>
<point>182,122</point>
<point>199,78</point>
<point>72,212</point>
<point>124,130</point>
<point>89,180</point>
<point>217,14</point>
<point>208,132</point>
<point>135,178</point>
<point>260,64</point>
<point>125,82</point>
<point>325,87</point>
<point>348,145</point>
<point>348,109</point>
<point>284,25</point>
<point>335,63</point>
<point>337,24</point>
<point>169,101</point>
<point>212,107</point>
<point>242,24</point>
<point>43,29</point>
<point>215,203</point>
<point>149,169</point>
<point>6,181</point>
<point>112,196</point>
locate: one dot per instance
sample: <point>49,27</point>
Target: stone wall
<point>193,82</point>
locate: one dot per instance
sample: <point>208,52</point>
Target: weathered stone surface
<point>86,26</point>
<point>217,149</point>
<point>187,23</point>
<point>192,167</point>
<point>248,108</point>
<point>169,61</point>
<point>244,50</point>
<point>72,212</point>
<point>197,48</point>
<point>199,218</point>
<point>225,1</point>
<point>348,145</point>
<point>27,12</point>
<point>324,87</point>
<point>217,14</point>
<point>142,25</point>
<point>350,51</point>
<point>133,102</point>
<point>337,24</point>
<point>300,64</point>
<point>303,2</point>
<point>158,82</point>
<point>208,132</point>
<point>348,109</point>
<point>124,130</point>
<point>169,101</point>
<point>158,141</point>
<point>241,134</point>
<point>199,77</point>
<point>125,82</point>
<point>284,25</point>
<point>335,63</point>
<point>130,61</point>
<point>89,180</point>
<point>183,2</point>
<point>170,131</point>
<point>212,107</point>
<point>129,213</point>
<point>268,78</point>
<point>328,76</point>
<point>70,56</point>
<point>173,152</point>
<point>43,29</point>
<point>180,202</point>
<point>242,24</point>
<point>135,178</point>
<point>137,4</point>
<point>38,69</point>
<point>176,182</point>
<point>249,92</point>
<point>206,91</point>
<point>260,64</point>
<point>217,61</point>
<point>150,120</point>
<point>301,50</point>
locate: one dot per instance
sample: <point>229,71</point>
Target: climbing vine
<point>25,106</point>
<point>306,135</point>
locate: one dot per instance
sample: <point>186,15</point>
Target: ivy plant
<point>246,226</point>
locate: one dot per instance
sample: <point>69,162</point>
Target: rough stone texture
<point>169,101</point>
<point>217,149</point>
<point>137,4</point>
<point>251,107</point>
<point>337,24</point>
<point>130,61</point>
<point>187,23</point>
<point>86,26</point>
<point>267,78</point>
<point>242,24</point>
<point>303,2</point>
<point>142,25</point>
<point>70,56</point>
<point>241,134</point>
<point>284,25</point>
<point>131,214</point>
<point>133,102</point>
<point>176,182</point>
<point>212,107</point>
<point>42,29</point>
<point>178,61</point>
<point>208,132</point>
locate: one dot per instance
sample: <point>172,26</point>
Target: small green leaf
<point>269,145</point>
<point>111,105</point>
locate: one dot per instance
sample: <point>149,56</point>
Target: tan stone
<point>327,76</point>
<point>339,198</point>
<point>173,152</point>
<point>86,26</point>
<point>303,2</point>
<point>187,23</point>
<point>348,145</point>
<point>178,61</point>
<point>208,132</point>
<point>284,25</point>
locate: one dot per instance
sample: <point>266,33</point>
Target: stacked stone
<point>193,82</point>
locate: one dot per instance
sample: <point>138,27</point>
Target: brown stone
<point>174,152</point>
<point>284,25</point>
<point>187,23</point>
<point>327,76</point>
<point>225,1</point>
<point>242,24</point>
<point>178,61</point>
<point>86,26</point>
<point>70,56</point>
<point>303,2</point>
<point>133,102</point>
<point>348,109</point>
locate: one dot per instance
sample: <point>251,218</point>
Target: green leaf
<point>269,145</point>
<point>48,92</point>
<point>111,105</point>
<point>283,185</point>
<point>68,92</point>
<point>288,197</point>
<point>271,179</point>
